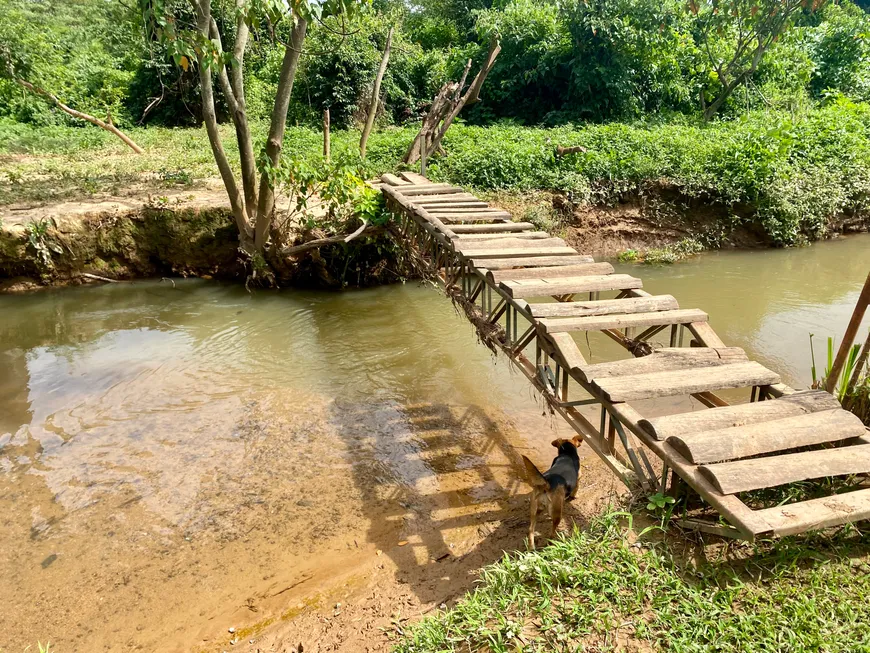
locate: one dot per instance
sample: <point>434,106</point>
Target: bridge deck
<point>506,274</point>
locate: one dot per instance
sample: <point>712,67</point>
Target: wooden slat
<point>745,475</point>
<point>475,210</point>
<point>568,285</point>
<point>525,235</point>
<point>567,348</point>
<point>679,382</point>
<point>602,322</point>
<point>502,227</point>
<point>519,252</point>
<point>448,199</point>
<point>434,189</point>
<point>393,180</point>
<point>705,334</point>
<point>813,514</point>
<point>542,261</point>
<point>414,177</point>
<point>580,270</point>
<point>666,359</point>
<point>511,242</point>
<point>799,403</point>
<point>470,206</point>
<point>606,306</point>
<point>768,437</point>
<point>474,217</point>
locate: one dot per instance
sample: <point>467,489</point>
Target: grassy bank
<point>792,177</point>
<point>593,591</point>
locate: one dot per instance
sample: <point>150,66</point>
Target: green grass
<point>593,591</point>
<point>789,175</point>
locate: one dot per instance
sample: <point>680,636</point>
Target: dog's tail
<point>534,476</point>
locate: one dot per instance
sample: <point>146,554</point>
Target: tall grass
<point>853,386</point>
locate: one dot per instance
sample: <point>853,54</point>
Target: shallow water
<point>170,456</point>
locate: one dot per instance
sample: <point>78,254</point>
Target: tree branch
<point>376,91</point>
<point>365,229</point>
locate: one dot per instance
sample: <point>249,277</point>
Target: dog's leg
<point>557,501</point>
<point>574,492</point>
<point>534,519</point>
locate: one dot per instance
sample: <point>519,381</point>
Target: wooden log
<point>543,261</point>
<point>581,270</point>
<point>502,227</point>
<point>523,288</point>
<point>666,359</point>
<point>684,382</point>
<point>756,473</point>
<point>434,189</point>
<point>511,242</point>
<point>393,180</point>
<point>519,252</point>
<point>606,306</point>
<point>602,322</point>
<point>815,514</point>
<point>705,335</point>
<point>474,217</point>
<point>476,210</point>
<point>799,403</point>
<point>466,206</point>
<point>447,199</point>
<point>768,437</point>
<point>414,178</point>
<point>568,351</point>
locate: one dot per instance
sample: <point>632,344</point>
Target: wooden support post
<point>326,134</point>
<point>849,337</point>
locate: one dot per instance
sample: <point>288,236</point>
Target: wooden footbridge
<point>505,275</point>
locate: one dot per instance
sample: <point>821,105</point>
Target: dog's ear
<point>577,440</point>
<point>557,442</point>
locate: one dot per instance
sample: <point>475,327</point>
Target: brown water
<point>176,460</point>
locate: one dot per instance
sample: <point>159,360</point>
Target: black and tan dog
<point>558,483</point>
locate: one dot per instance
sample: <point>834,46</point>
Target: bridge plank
<point>453,208</point>
<point>542,261</point>
<point>566,347</point>
<point>525,235</point>
<point>579,270</point>
<point>511,242</point>
<point>605,306</point>
<point>767,437</point>
<point>621,321</point>
<point>414,177</point>
<point>799,403</point>
<point>458,216</point>
<point>469,206</point>
<point>666,359</point>
<point>519,252</point>
<point>434,189</point>
<point>822,512</point>
<point>674,383</point>
<point>393,180</point>
<point>756,473</point>
<point>447,199</point>
<point>523,288</point>
<point>498,227</point>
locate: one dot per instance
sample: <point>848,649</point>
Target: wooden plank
<point>568,350</point>
<point>606,306</point>
<point>543,261</point>
<point>799,403</point>
<point>519,252</point>
<point>580,270</point>
<point>511,242</point>
<point>435,189</point>
<point>393,180</point>
<point>684,382</point>
<point>467,205</point>
<point>617,321</point>
<point>756,473</point>
<point>414,177</point>
<point>474,217</point>
<point>523,288</point>
<point>705,335</point>
<point>815,514</point>
<point>446,199</point>
<point>502,227</point>
<point>768,437</point>
<point>525,235</point>
<point>666,359</point>
<point>452,208</point>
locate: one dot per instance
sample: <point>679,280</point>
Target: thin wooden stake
<point>326,134</point>
<point>849,337</point>
<point>376,91</point>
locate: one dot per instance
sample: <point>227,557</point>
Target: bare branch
<point>376,91</point>
<point>365,229</point>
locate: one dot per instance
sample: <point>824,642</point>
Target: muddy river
<point>176,461</point>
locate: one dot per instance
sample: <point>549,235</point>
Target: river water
<point>175,457</point>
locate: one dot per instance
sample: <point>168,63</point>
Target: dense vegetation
<point>594,591</point>
<point>562,60</point>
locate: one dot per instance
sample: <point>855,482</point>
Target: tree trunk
<point>108,126</point>
<point>376,91</point>
<point>275,141</point>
